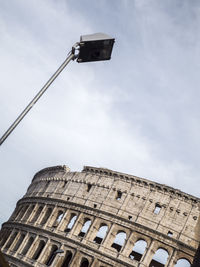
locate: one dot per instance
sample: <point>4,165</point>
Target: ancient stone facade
<point>100,218</point>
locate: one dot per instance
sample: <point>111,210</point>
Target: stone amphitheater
<point>100,218</point>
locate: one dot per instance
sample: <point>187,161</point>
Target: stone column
<point>21,247</point>
<point>76,259</point>
<point>149,253</point>
<point>10,235</point>
<point>108,240</point>
<point>65,220</point>
<point>33,247</point>
<point>172,259</point>
<point>128,247</point>
<point>45,252</point>
<point>93,229</point>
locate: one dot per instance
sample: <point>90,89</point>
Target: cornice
<point>143,182</point>
<point>61,168</point>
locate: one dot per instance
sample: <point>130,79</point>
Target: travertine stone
<point>164,217</point>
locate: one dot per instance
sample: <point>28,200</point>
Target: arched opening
<point>138,250</point>
<point>22,212</point>
<point>84,263</point>
<point>27,246</point>
<point>71,223</point>
<point>101,233</point>
<point>28,213</point>
<point>18,212</point>
<point>5,237</point>
<point>85,227</point>
<point>11,240</point>
<point>58,219</point>
<point>20,240</point>
<point>159,258</point>
<point>67,259</point>
<point>37,214</point>
<point>183,263</point>
<point>46,215</point>
<point>39,250</point>
<point>52,255</point>
<point>119,240</point>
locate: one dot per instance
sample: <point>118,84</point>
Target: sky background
<point>137,113</point>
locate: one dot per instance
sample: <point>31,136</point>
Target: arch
<point>138,250</point>
<point>39,250</point>
<point>22,212</point>
<point>11,240</point>
<point>37,214</point>
<point>46,215</point>
<point>183,263</point>
<point>18,212</point>
<point>119,240</point>
<point>101,233</point>
<point>67,259</point>
<point>5,237</point>
<point>20,240</point>
<point>87,223</point>
<point>84,262</point>
<point>52,255</point>
<point>28,245</point>
<point>160,258</point>
<point>58,219</point>
<point>28,213</point>
<point>71,223</point>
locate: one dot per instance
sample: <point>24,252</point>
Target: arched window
<point>101,233</point>
<point>85,227</point>
<point>84,263</point>
<point>183,263</point>
<point>37,214</point>
<point>138,250</point>
<point>11,240</point>
<point>28,213</point>
<point>71,223</point>
<point>46,215</point>
<point>119,240</point>
<point>15,215</point>
<point>159,258</point>
<point>22,212</point>
<point>58,218</point>
<point>39,250</point>
<point>67,259</point>
<point>5,237</point>
<point>27,246</point>
<point>52,255</point>
<point>20,240</point>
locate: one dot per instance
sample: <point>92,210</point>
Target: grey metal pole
<point>72,56</point>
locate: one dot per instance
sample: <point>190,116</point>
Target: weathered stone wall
<point>64,210</point>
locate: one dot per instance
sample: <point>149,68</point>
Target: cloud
<point>137,113</point>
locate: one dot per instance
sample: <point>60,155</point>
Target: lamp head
<point>95,47</point>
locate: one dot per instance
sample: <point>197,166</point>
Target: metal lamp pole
<point>72,56</point>
<point>93,47</point>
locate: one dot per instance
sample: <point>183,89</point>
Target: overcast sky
<point>138,113</point>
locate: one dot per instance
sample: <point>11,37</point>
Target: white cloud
<point>137,113</point>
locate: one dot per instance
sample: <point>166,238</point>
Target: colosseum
<point>100,218</point>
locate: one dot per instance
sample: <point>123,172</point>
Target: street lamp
<point>93,47</point>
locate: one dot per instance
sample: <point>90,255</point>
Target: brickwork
<point>97,218</point>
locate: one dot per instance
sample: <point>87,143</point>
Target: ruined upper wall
<point>150,205</point>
